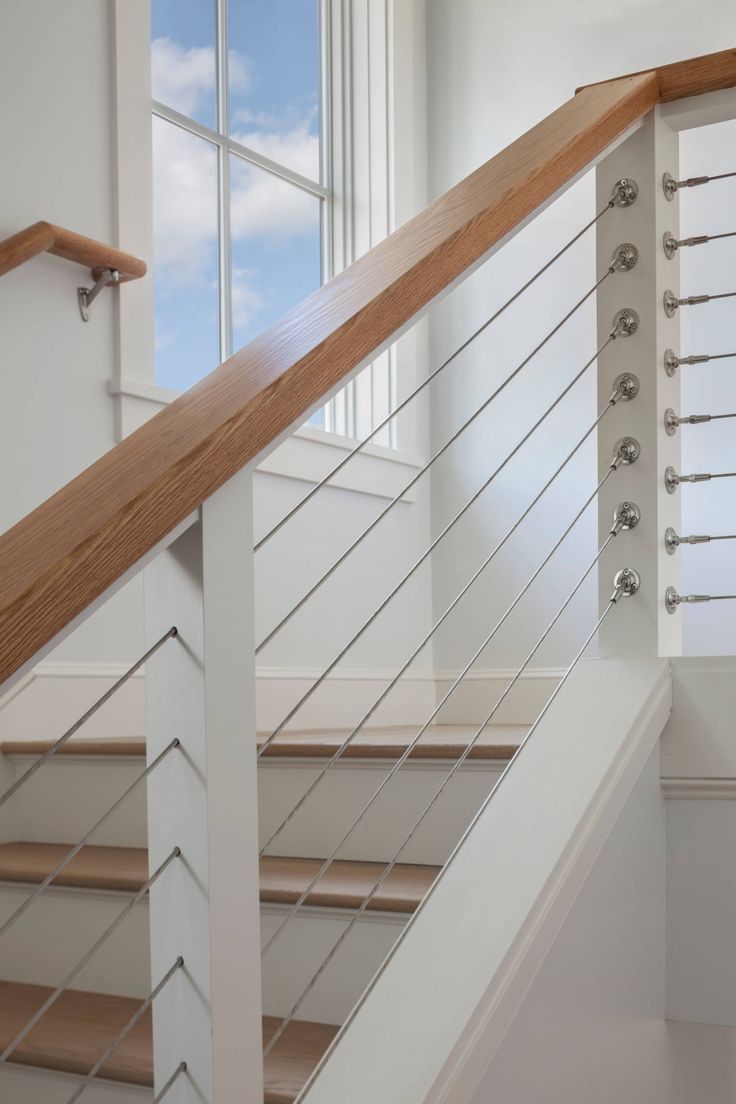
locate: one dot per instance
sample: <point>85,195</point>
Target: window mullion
<point>223,180</point>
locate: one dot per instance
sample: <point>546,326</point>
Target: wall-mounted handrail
<point>44,237</point>
<point>71,549</point>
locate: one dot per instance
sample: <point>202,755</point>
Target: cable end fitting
<point>625,323</point>
<point>625,192</point>
<point>627,515</point>
<point>624,258</point>
<point>626,583</point>
<point>625,387</point>
<point>626,451</point>
<point>671,540</point>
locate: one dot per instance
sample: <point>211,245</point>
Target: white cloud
<point>185,176</point>
<point>294,146</point>
<point>185,198</point>
<point>247,302</point>
<point>264,206</point>
<point>182,77</point>
<point>185,204</point>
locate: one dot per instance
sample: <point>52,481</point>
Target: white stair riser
<point>297,954</point>
<point>25,1085</point>
<point>76,918</point>
<point>56,931</point>
<point>339,798</point>
<point>65,797</point>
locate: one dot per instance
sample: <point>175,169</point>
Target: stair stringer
<point>432,1019</point>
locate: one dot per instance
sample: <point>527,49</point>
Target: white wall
<point>58,118</point>
<point>599,995</point>
<point>71,125</point>
<point>493,71</point>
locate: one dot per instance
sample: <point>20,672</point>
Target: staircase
<point>102,877</point>
<point>211,914</point>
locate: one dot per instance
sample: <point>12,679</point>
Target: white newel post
<point>640,626</point>
<point>203,798</point>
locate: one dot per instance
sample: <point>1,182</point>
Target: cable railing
<point>88,956</point>
<point>74,851</point>
<point>626,452</point>
<point>125,1031</point>
<point>623,194</point>
<point>109,693</point>
<point>625,388</point>
<point>673,421</point>
<point>624,260</point>
<point>169,1084</point>
<point>626,583</point>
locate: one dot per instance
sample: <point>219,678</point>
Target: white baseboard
<point>52,697</point>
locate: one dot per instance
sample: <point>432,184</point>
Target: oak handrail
<point>44,237</point>
<point>78,543</point>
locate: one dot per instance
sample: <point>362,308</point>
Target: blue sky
<point>274,96</point>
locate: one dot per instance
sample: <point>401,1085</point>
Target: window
<point>261,190</point>
<point>238,174</point>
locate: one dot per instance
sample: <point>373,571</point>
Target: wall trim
<point>52,695</point>
<point>699,789</point>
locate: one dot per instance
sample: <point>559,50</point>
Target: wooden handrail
<point>70,550</point>
<point>44,237</point>
<point>694,77</point>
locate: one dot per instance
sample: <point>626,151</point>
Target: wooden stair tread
<point>438,742</point>
<point>283,880</point>
<point>76,1031</point>
<point>346,883</point>
<point>123,746</point>
<point>80,1025</point>
<point>293,1058</point>
<point>120,868</point>
<point>498,742</point>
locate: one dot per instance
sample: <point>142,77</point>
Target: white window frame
<point>357,216</point>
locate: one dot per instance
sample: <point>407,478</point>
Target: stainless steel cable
<point>64,985</point>
<point>125,1031</point>
<point>418,563</point>
<point>672,421</point>
<point>715,237</point>
<point>453,770</point>
<point>425,467</point>
<point>672,361</point>
<point>181,1068</point>
<point>87,836</point>
<point>448,610</point>
<point>671,244</point>
<point>696,181</point>
<point>404,402</point>
<point>415,740</point>
<point>673,479</point>
<point>85,717</point>
<point>701,539</point>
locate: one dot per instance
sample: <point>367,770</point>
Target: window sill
<point>308,455</point>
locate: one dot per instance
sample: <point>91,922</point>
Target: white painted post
<point>642,626</point>
<point>203,798</point>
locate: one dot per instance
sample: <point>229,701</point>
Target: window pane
<point>183,57</point>
<point>185,256</point>
<point>274,74</point>
<point>276,248</point>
